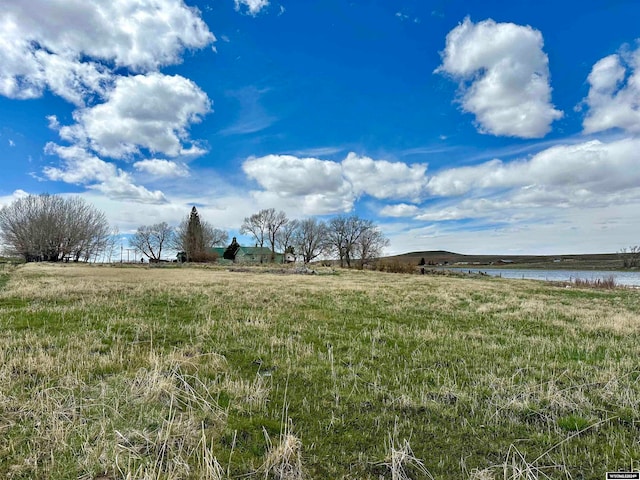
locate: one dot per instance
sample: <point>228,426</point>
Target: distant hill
<point>604,261</point>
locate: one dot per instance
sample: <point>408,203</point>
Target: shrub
<point>605,283</point>
<point>394,266</point>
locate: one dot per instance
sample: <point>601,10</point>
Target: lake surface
<point>621,278</point>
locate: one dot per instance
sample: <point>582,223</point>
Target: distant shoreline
<point>601,261</point>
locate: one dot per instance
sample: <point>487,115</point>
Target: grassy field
<point>168,373</point>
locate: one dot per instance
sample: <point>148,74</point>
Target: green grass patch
<point>204,373</point>
<point>573,423</point>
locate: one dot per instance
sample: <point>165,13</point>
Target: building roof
<point>246,251</point>
<point>256,251</point>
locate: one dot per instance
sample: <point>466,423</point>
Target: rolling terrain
<point>602,261</point>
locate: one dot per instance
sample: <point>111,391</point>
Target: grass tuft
<point>283,460</point>
<point>402,462</point>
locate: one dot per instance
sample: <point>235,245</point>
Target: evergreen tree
<point>195,248</point>
<point>195,237</point>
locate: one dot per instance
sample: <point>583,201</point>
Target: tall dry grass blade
<point>210,467</point>
<point>284,460</point>
<point>401,460</point>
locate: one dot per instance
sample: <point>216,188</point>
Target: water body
<point>631,279</point>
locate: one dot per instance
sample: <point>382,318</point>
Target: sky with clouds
<point>476,127</point>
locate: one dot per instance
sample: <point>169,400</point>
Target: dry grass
<point>283,460</point>
<point>167,373</point>
<point>606,283</point>
<point>402,462</point>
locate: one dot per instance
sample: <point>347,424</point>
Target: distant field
<point>110,372</point>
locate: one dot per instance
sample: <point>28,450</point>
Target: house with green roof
<point>236,253</point>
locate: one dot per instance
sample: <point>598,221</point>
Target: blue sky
<point>475,127</point>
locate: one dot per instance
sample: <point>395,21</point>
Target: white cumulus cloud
<point>325,186</point>
<point>399,210</point>
<point>614,94</point>
<point>150,112</point>
<point>61,44</point>
<point>504,77</point>
<point>104,57</point>
<point>121,188</point>
<point>383,179</point>
<point>312,204</point>
<point>16,195</point>
<point>162,168</point>
<point>80,167</point>
<point>316,185</point>
<point>559,181</point>
<point>290,175</point>
<point>252,7</point>
<point>596,167</point>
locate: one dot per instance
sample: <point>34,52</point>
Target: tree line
<point>192,239</point>
<point>54,228</point>
<point>348,238</point>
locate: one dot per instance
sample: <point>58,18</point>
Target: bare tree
<point>285,237</point>
<point>214,237</point>
<point>275,222</point>
<point>336,236</point>
<point>343,234</point>
<point>311,238</point>
<point>370,243</point>
<point>52,228</point>
<point>630,256</point>
<point>151,239</point>
<point>265,225</point>
<point>257,226</point>
<point>88,232</point>
<point>111,244</point>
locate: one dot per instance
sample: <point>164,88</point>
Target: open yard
<point>110,372</point>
